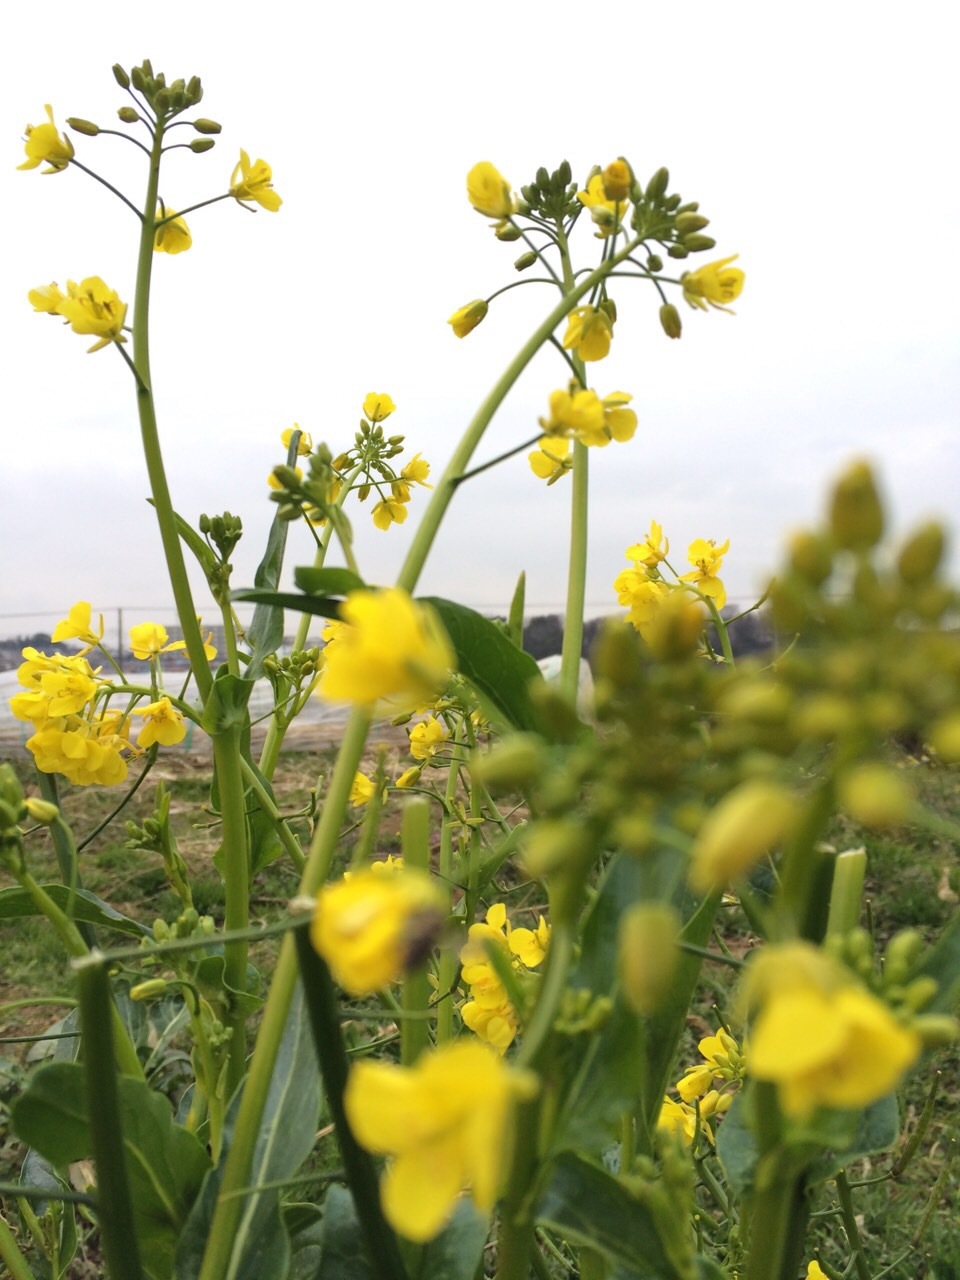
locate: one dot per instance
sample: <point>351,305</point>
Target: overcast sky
<point>819,138</point>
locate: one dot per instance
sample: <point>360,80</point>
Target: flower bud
<point>670,321</point>
<point>11,792</point>
<point>138,78</point>
<point>162,100</point>
<point>647,953</point>
<point>206,126</point>
<point>121,77</point>
<point>201,144</point>
<point>505,231</point>
<point>86,127</point>
<point>194,90</point>
<point>9,816</point>
<point>936,1029</point>
<point>810,557</point>
<point>525,260</point>
<point>654,263</point>
<point>920,992</point>
<point>698,243</point>
<point>128,115</point>
<point>617,180</point>
<point>555,844</point>
<point>856,516</point>
<point>515,762</point>
<point>657,186</point>
<point>42,811</point>
<point>688,223</point>
<point>465,319</point>
<point>747,823</point>
<point>903,951</point>
<point>147,990</point>
<point>921,554</point>
<point>677,251</point>
<point>876,795</point>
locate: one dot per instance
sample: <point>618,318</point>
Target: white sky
<point>819,138</point>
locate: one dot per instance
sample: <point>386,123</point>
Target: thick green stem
<point>118,1235</point>
<point>850,1226</point>
<point>166,519</point>
<point>447,485</point>
<point>236,1168</point>
<point>576,577</point>
<point>236,880</point>
<point>415,846</point>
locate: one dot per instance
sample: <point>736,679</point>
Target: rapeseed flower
<point>447,1124</point>
<point>375,925</point>
<point>389,511</point>
<point>416,472</point>
<point>427,737</point>
<point>489,191</point>
<point>465,319</point>
<point>551,459</point>
<point>707,558</point>
<point>173,236</point>
<point>254,182</point>
<point>715,284</point>
<point>653,550</point>
<point>77,626</point>
<point>590,332</point>
<point>304,444</point>
<point>44,145</point>
<point>378,406</point>
<point>90,308</point>
<point>362,790</point>
<point>163,724</point>
<point>604,200</point>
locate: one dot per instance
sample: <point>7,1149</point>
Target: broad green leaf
<point>226,706</point>
<point>499,671</point>
<point>942,962</point>
<point>16,902</point>
<point>265,633</point>
<point>304,1226</point>
<point>456,1252</point>
<point>37,1172</point>
<point>589,1207</point>
<point>326,582</point>
<point>165,1163</point>
<point>342,1250</point>
<point>261,1247</point>
<point>737,1148</point>
<point>208,975</point>
<point>866,1133</point>
<point>321,606</point>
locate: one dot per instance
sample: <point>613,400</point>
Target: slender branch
<point>109,185</point>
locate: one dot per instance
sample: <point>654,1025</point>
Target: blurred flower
<point>489,192</point>
<point>44,145</point>
<point>448,1124</point>
<point>551,459</point>
<point>388,511</point>
<point>304,444</point>
<point>172,237</point>
<point>678,1118</point>
<point>606,212</point>
<point>715,284</point>
<point>748,823</point>
<point>426,737</point>
<point>409,778</point>
<point>390,647</point>
<point>374,926</point>
<point>254,182</point>
<point>590,331</point>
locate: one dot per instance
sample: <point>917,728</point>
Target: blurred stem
<point>415,847</point>
<point>11,1255</point>
<point>846,893</point>
<point>850,1226</point>
<point>236,881</point>
<point>66,851</point>
<point>448,954</point>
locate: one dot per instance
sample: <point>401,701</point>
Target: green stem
<point>118,1235</point>
<point>11,1255</point>
<point>284,834</point>
<point>447,966</point>
<point>236,1168</point>
<point>446,487</point>
<point>415,846</point>
<point>850,1226</point>
<point>166,518</point>
<point>569,681</point>
<point>236,880</point>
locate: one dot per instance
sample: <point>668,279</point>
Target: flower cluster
<point>644,590</point>
<point>371,926</point>
<point>580,415</point>
<point>716,1079</point>
<point>91,308</point>
<point>446,1122</point>
<point>489,1012</point>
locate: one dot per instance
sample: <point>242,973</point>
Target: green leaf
<point>165,1162</point>
<point>16,902</point>
<point>342,1251</point>
<point>456,1253</point>
<point>942,962</point>
<point>515,616</point>
<point>326,582</point>
<point>37,1172</point>
<point>867,1133</point>
<point>320,606</point>
<point>589,1207</point>
<point>261,1247</point>
<point>737,1148</point>
<point>499,671</point>
<point>265,633</point>
<point>226,707</point>
<point>304,1226</point>
<point>208,975</point>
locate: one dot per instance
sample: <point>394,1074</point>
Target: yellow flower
<point>150,639</point>
<point>530,945</point>
<point>824,1040</point>
<point>254,182</point>
<point>579,414</point>
<point>172,237</point>
<point>416,472</point>
<point>551,459</point>
<point>76,626</point>
<point>56,686</point>
<point>707,558</point>
<point>489,191</point>
<point>590,331</point>
<point>47,299</point>
<point>619,422</point>
<point>164,724</point>
<point>378,406</point>
<point>447,1123</point>
<point>814,1271</point>
<point>426,737</point>
<point>88,753</point>
<point>714,284</point>
<point>652,550</point>
<point>373,927</point>
<point>92,308</point>
<point>392,647</point>
<point>304,444</point>
<point>722,1060</point>
<point>749,822</point>
<point>388,511</point>
<point>617,180</point>
<point>362,790</point>
<point>409,778</point>
<point>606,212</point>
<point>678,1118</point>
<point>466,319</point>
<point>44,145</point>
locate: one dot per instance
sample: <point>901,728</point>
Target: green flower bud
<point>688,223</point>
<point>920,992</point>
<point>647,954</point>
<point>525,260</point>
<point>128,115</point>
<point>121,77</point>
<point>670,321</point>
<point>515,762</point>
<point>138,78</point>
<point>86,127</point>
<point>507,232</point>
<point>9,816</point>
<point>199,145</point>
<point>654,263</point>
<point>657,186</point>
<point>856,516</point>
<point>194,90</point>
<point>810,557</point>
<point>921,554</point>
<point>903,951</point>
<point>42,811</point>
<point>698,243</point>
<point>147,990</point>
<point>556,844</point>
<point>206,126</point>
<point>11,792</point>
<point>677,251</point>
<point>936,1029</point>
